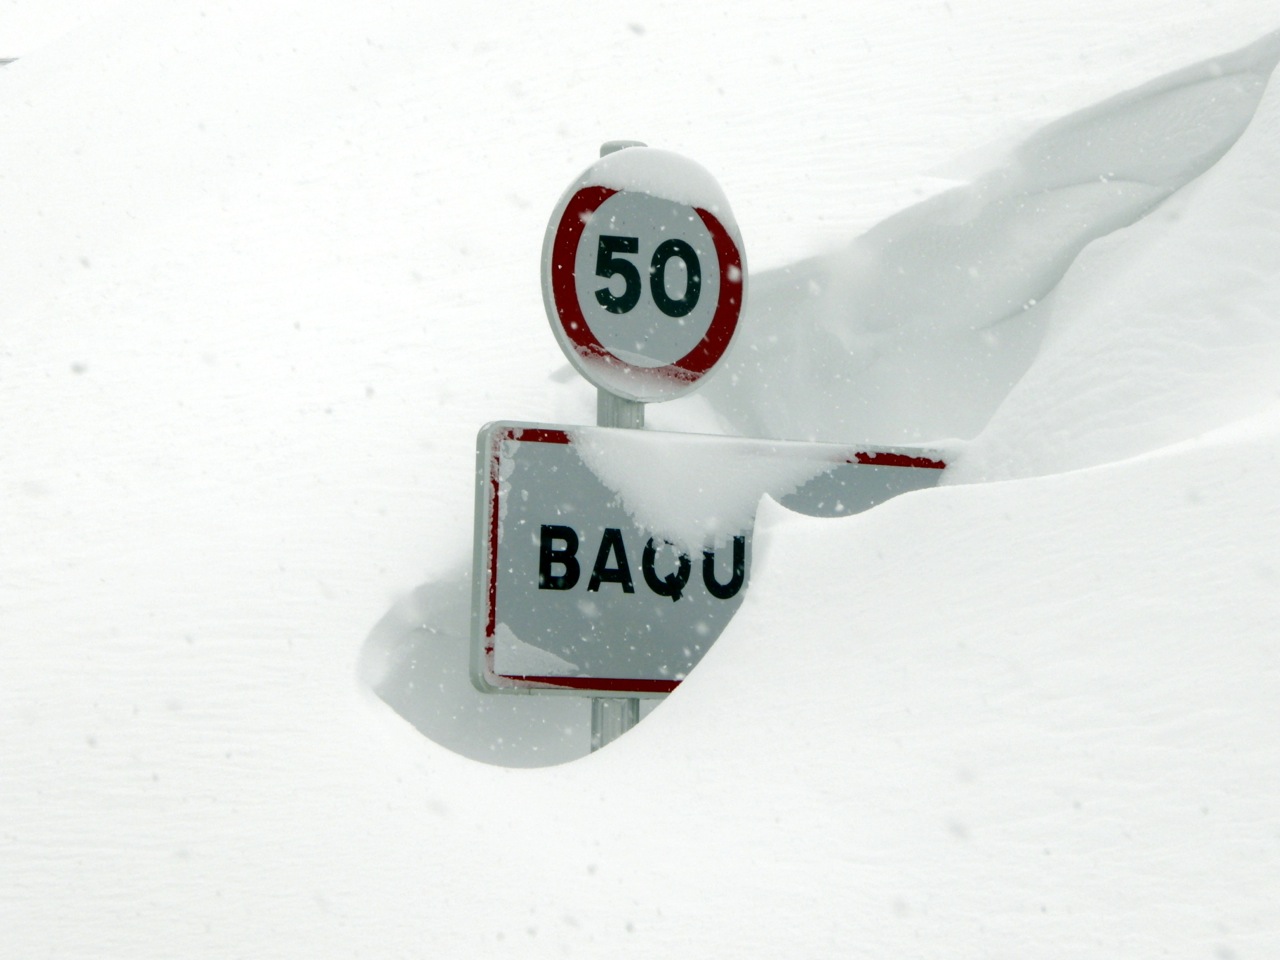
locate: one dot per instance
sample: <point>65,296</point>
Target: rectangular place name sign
<point>608,561</point>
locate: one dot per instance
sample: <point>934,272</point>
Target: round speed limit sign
<point>643,274</point>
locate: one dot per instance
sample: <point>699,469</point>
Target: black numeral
<point>608,265</point>
<point>658,278</point>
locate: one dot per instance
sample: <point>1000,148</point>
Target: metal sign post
<point>611,717</point>
<point>645,344</point>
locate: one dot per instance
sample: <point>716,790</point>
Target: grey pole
<point>611,717</point>
<point>613,146</point>
<point>615,411</point>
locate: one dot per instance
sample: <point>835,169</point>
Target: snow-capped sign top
<point>643,274</point>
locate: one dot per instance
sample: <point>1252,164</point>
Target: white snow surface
<point>271,266</point>
<point>521,657</point>
<point>927,320</point>
<point>692,494</point>
<point>1159,332</point>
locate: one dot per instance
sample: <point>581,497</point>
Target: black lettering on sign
<point>558,567</point>
<point>723,591</point>
<point>673,584</point>
<point>611,545</point>
<point>549,556</point>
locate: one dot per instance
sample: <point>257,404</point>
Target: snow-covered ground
<point>268,270</point>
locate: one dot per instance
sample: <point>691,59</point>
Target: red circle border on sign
<point>724,321</point>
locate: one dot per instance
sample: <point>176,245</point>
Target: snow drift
<point>262,286</point>
<point>920,328</point>
<point>974,313</point>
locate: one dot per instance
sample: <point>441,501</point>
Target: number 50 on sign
<point>643,276</point>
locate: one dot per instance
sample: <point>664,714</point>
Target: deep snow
<point>270,269</point>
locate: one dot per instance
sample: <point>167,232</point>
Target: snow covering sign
<point>608,561</point>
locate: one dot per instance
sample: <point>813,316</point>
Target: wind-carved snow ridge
<point>919,329</point>
<point>1166,331</point>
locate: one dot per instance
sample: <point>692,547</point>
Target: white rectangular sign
<point>608,561</point>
